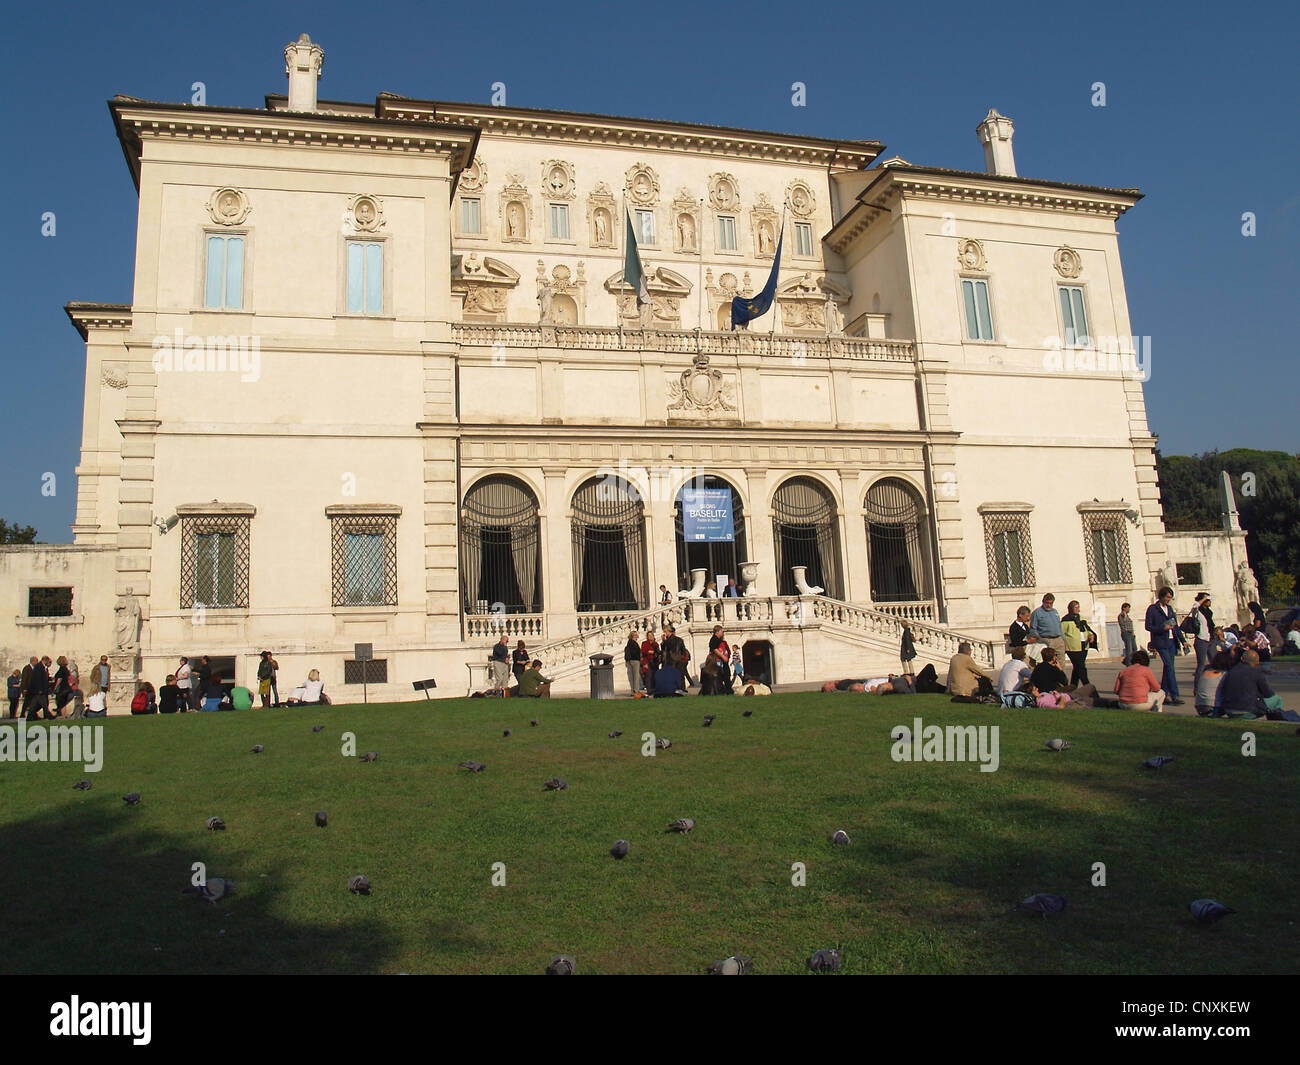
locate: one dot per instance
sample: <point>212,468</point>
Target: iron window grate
<point>214,561</point>
<point>1105,541</point>
<point>1009,550</point>
<point>363,554</point>
<point>373,672</point>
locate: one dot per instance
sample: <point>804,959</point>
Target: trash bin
<point>602,676</point>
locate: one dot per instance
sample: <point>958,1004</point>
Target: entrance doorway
<point>717,557</point>
<point>758,661</point>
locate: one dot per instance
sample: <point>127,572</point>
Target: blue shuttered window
<point>365,277</point>
<point>1073,315</point>
<point>224,273</point>
<point>979,320</point>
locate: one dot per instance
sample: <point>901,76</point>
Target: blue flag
<point>746,310</point>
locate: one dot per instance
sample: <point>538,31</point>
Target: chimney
<point>995,134</point>
<point>302,62</point>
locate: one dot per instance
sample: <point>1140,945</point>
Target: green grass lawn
<point>940,851</point>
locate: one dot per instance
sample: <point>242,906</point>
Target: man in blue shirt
<point>1162,624</point>
<point>668,682</point>
<point>1045,623</point>
<point>38,691</point>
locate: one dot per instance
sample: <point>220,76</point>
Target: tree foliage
<point>1267,488</point>
<point>16,534</point>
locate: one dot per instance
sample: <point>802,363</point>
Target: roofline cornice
<point>641,134</point>
<point>137,119</point>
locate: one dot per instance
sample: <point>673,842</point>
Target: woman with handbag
<point>1079,637</point>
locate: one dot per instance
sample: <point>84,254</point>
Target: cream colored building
<point>381,382</point>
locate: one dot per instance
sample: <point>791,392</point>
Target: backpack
<point>140,702</point>
<point>1019,701</point>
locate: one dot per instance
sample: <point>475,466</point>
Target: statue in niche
<point>544,301</point>
<point>514,221</point>
<point>686,231</point>
<point>834,323</point>
<point>765,239</point>
<point>126,628</point>
<point>602,226</point>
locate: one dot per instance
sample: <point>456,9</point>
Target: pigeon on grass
<point>1157,761</point>
<point>322,818</point>
<point>748,713</point>
<point>81,785</point>
<point>214,824</point>
<point>561,965</point>
<point>506,732</point>
<point>473,767</point>
<point>619,850</point>
<point>1207,911</point>
<point>258,748</point>
<point>131,798</point>
<point>1057,745</point>
<point>682,824</point>
<point>370,756</point>
<point>709,719</point>
<point>318,728</point>
<point>663,743</point>
<point>825,961</point>
<point>1042,903</point>
<point>359,885</point>
<point>736,965</point>
<point>212,890</point>
<point>615,733</point>
<point>840,838</point>
<point>534,722</point>
<point>555,784</point>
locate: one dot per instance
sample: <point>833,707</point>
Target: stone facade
<point>346,316</point>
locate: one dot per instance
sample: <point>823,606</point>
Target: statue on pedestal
<point>1247,589</point>
<point>126,629</point>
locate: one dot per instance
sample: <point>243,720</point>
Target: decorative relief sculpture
<point>702,390</point>
<point>557,179</point>
<point>801,200</point>
<point>228,207</point>
<point>1068,262</point>
<point>486,285</point>
<point>113,375</point>
<point>724,192</point>
<point>642,185</point>
<point>970,254</point>
<point>126,627</point>
<point>366,214</point>
<point>474,176</point>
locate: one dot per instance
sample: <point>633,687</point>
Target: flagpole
<point>699,243</point>
<point>618,306</point>
<point>771,337</point>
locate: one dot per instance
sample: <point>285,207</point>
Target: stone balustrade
<point>516,626</point>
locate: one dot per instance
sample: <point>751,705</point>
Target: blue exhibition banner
<point>706,515</point>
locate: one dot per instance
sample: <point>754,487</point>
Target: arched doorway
<point>707,548</point>
<point>609,550</point>
<point>500,548</point>
<point>805,532</point>
<point>897,544</point>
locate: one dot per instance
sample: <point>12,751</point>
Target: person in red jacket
<point>650,659</point>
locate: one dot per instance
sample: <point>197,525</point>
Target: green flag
<point>633,272</point>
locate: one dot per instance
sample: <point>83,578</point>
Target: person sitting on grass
<point>669,682</point>
<point>1049,700</point>
<point>311,692</point>
<point>532,685</point>
<point>214,695</point>
<point>169,696</point>
<point>1137,686</point>
<point>1015,672</point>
<point>1292,645</point>
<point>966,677</point>
<point>1244,690</point>
<point>1207,684</point>
<point>242,699</point>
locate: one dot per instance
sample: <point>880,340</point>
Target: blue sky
<point>1201,108</point>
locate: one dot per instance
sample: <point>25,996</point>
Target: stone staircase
<point>798,626</point>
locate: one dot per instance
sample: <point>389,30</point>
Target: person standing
<point>275,691</point>
<point>732,590</point>
<point>205,682</point>
<point>1162,624</point>
<point>1125,622</point>
<point>665,596</point>
<point>501,662</point>
<point>62,686</point>
<point>1204,634</point>
<point>907,649</point>
<point>675,653</point>
<point>183,676</point>
<point>38,691</point>
<point>632,662</point>
<point>721,650</point>
<point>1045,624</point>
<point>1078,638</point>
<point>103,674</point>
<point>26,678</point>
<point>15,692</point>
<point>650,659</point>
<point>264,671</point>
<point>519,661</point>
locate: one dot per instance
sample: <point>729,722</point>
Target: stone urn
<point>748,575</point>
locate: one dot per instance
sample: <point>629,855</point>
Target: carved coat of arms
<point>701,389</point>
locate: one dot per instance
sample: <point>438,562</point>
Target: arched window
<point>609,552</point>
<point>703,551</point>
<point>897,543</point>
<point>805,532</point>
<point>500,548</point>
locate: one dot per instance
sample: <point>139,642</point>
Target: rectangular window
<point>1106,543</point>
<point>1010,553</point>
<point>803,241</point>
<point>365,277</point>
<point>1188,572</point>
<point>224,275</point>
<point>364,558</point>
<point>975,297</point>
<point>1073,316</point>
<point>373,672</point>
<point>49,602</point>
<point>726,234</point>
<point>214,561</point>
<point>471,216</point>
<point>645,227</point>
<point>560,221</point>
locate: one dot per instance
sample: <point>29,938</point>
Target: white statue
<point>126,629</point>
<point>1247,587</point>
<point>686,231</point>
<point>834,323</point>
<point>801,581</point>
<point>544,298</point>
<point>1167,577</point>
<point>602,227</point>
<point>514,221</point>
<point>765,239</point>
